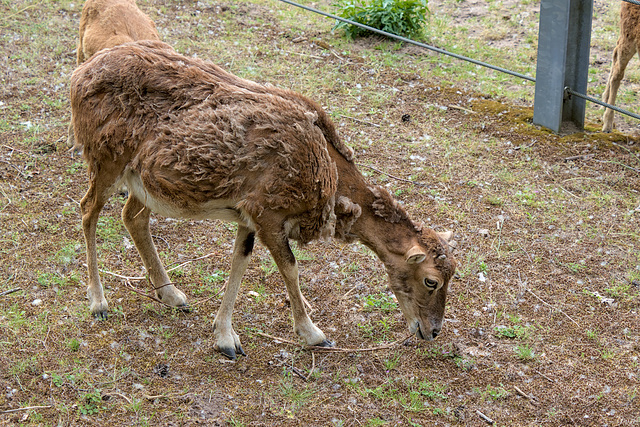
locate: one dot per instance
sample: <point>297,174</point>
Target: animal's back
<point>108,23</point>
<point>630,22</point>
<point>195,140</point>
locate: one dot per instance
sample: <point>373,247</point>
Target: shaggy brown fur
<point>109,23</point>
<point>191,140</point>
<point>627,46</point>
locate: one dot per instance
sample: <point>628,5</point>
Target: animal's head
<point>420,280</point>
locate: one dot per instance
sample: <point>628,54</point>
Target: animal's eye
<point>432,284</point>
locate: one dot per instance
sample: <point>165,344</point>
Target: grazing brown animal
<point>628,45</point>
<point>193,141</point>
<point>108,23</point>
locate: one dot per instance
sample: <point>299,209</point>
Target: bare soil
<point>542,320</point>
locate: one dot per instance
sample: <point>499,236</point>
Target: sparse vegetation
<point>556,315</point>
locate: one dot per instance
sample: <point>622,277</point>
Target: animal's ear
<point>415,255</point>
<point>445,235</point>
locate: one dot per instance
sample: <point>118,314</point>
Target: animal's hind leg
<point>227,341</point>
<point>278,245</point>
<point>136,218</point>
<point>92,203</point>
<point>622,54</point>
<point>71,138</point>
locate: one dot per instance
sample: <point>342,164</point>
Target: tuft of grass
<point>525,353</point>
<point>379,302</point>
<point>492,392</point>
<point>378,330</point>
<point>391,363</point>
<point>91,403</point>
<point>74,344</point>
<point>400,17</point>
<point>235,423</point>
<point>298,397</point>
<point>591,334</point>
<point>513,332</point>
<point>375,422</point>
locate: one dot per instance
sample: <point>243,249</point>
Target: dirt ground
<point>541,326</point>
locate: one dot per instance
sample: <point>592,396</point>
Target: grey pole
<point>563,62</point>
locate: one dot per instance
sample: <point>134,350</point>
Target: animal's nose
<point>435,333</point>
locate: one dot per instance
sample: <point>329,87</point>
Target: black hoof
<point>227,352</point>
<point>186,308</point>
<point>101,315</point>
<point>230,352</point>
<point>325,343</point>
<point>240,351</point>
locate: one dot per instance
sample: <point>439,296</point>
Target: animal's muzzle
<point>427,337</point>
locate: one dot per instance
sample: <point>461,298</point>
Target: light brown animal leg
<point>278,245</point>
<point>91,205</point>
<point>227,341</point>
<point>136,218</point>
<point>622,54</point>
<point>71,140</point>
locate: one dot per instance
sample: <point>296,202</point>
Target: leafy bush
<point>401,17</point>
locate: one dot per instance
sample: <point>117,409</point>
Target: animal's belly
<point>223,209</point>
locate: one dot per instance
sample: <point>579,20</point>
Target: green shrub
<point>401,17</point>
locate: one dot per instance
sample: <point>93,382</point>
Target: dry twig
<point>579,157</point>
<point>313,364</point>
<point>298,373</point>
<point>10,291</point>
<point>189,261</point>
<point>555,308</point>
<point>360,121</point>
<point>484,417</point>
<point>419,184</point>
<point>26,408</point>
<point>466,110</point>
<point>121,395</point>
<point>6,18</point>
<point>168,396</point>
<point>144,294</point>
<point>551,380</point>
<point>523,394</point>
<point>319,349</point>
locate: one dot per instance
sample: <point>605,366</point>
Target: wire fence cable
<point>406,40</point>
<point>568,90</point>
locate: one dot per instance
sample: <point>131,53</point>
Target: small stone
<point>37,302</point>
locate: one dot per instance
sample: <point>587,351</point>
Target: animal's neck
<point>381,225</point>
<point>386,235</point>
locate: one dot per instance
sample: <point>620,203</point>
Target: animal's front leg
<point>288,267</point>
<point>136,218</point>
<point>227,341</point>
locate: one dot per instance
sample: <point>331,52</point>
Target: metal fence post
<point>564,38</point>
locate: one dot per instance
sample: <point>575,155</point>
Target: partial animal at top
<point>108,23</point>
<point>191,140</point>
<point>627,46</point>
